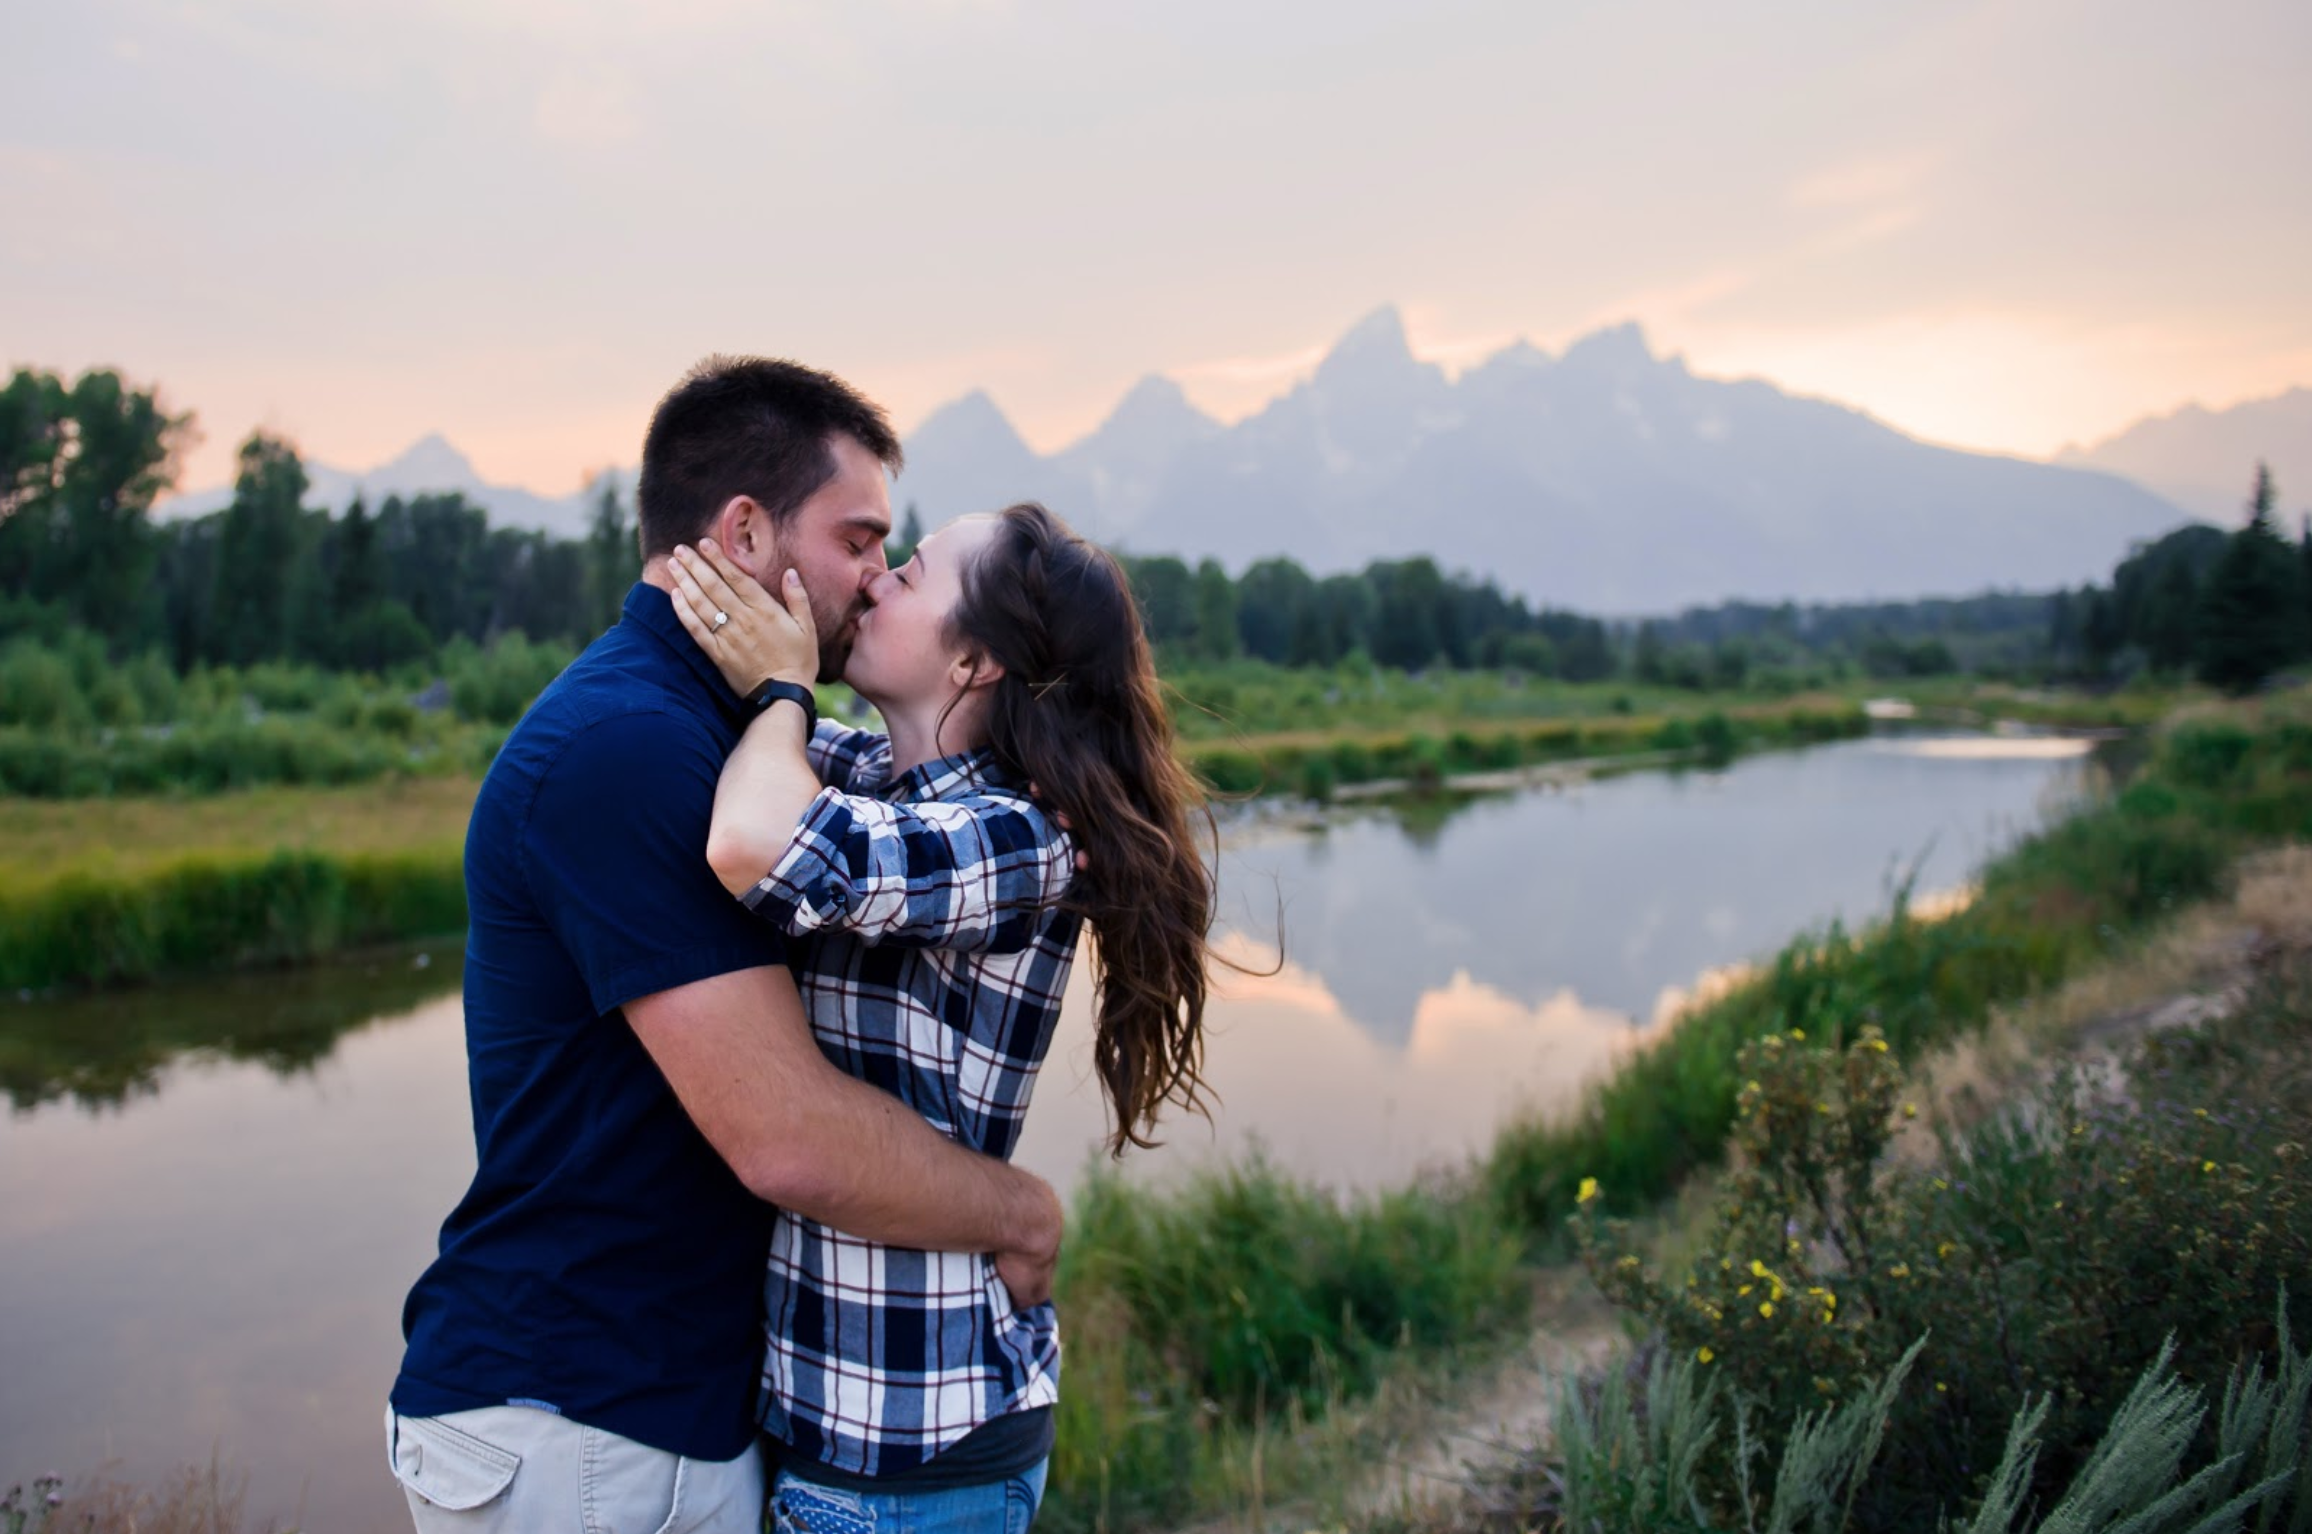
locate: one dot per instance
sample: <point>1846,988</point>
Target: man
<point>584,1351</point>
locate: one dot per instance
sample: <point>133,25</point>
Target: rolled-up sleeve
<point>837,753</point>
<point>975,874</point>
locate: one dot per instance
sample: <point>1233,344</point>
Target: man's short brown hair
<point>753,426</point>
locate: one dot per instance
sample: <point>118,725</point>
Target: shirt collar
<point>652,610</point>
<point>947,776</point>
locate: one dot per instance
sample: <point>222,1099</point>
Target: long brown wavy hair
<point>1079,713</point>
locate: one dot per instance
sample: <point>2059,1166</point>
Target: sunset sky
<point>2005,226</point>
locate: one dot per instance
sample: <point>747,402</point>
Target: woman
<point>939,908</point>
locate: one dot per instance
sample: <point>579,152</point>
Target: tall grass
<point>1244,1301</point>
<point>222,912</point>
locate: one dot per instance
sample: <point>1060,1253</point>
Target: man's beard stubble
<point>836,627</point>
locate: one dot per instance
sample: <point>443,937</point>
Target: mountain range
<point>2204,460</point>
<point>1607,478</point>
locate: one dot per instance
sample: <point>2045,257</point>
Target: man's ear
<point>743,529</point>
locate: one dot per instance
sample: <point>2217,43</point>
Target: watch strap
<point>773,690</point>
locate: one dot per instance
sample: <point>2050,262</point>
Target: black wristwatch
<point>794,692</point>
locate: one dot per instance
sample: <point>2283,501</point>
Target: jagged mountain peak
<point>1155,409</point>
<point>974,425</point>
<point>1374,347</point>
<point>1617,348</point>
<point>432,462</point>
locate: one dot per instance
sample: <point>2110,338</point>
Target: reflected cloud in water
<point>1611,890</point>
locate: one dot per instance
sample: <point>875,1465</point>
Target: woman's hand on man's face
<point>751,635</point>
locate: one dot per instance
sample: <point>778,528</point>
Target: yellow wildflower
<point>1880,1045</point>
<point>1704,1355</point>
<point>1589,1190</point>
<point>1757,1268</point>
<point>1798,1033</point>
<point>2207,1166</point>
<point>1899,1270</point>
<point>1766,1309</point>
<point>1910,1110</point>
<point>1945,1250</point>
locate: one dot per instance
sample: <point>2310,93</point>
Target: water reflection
<point>101,1050</point>
<point>1614,890</point>
<point>220,1268</point>
<point>1298,1077</point>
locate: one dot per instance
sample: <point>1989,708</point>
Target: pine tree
<point>900,546</point>
<point>611,555</point>
<point>256,544</point>
<point>2251,610</point>
<point>1216,636</point>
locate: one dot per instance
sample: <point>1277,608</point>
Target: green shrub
<point>2208,755</point>
<point>39,690</point>
<point>496,685</point>
<point>1318,778</point>
<point>1714,738</point>
<point>2056,1254</point>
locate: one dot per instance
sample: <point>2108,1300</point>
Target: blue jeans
<point>999,1507</point>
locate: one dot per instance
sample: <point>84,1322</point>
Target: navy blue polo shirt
<point>605,1263</point>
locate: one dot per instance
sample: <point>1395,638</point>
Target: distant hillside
<point>429,464</point>
<point>2205,460</point>
<point>1607,479</point>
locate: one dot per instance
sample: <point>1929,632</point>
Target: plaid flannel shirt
<point>931,964</point>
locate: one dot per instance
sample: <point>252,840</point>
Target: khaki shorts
<point>518,1468</point>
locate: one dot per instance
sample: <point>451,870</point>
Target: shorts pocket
<point>449,1468</point>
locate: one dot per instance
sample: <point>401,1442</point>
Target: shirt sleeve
<point>836,751</point>
<point>615,852</point>
<point>976,874</point>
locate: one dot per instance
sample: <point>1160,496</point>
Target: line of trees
<point>373,589</point>
<point>268,578</point>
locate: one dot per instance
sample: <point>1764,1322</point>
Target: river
<point>213,1195</point>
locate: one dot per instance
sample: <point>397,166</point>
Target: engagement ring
<point>721,618</point>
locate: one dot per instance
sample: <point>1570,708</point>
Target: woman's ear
<point>969,671</point>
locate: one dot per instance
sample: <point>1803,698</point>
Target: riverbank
<point>118,890</point>
<point>2147,1118</point>
<point>1209,1325</point>
<point>97,892</point>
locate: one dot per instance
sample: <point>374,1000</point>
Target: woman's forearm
<point>766,787</point>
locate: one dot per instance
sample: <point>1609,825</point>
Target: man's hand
<point>1028,1273</point>
<point>750,634</point>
